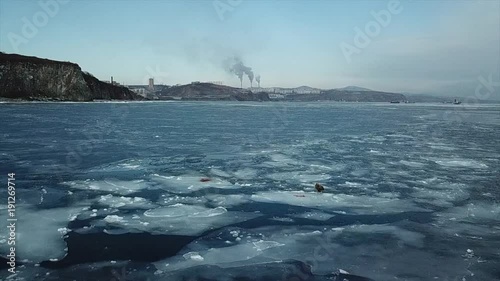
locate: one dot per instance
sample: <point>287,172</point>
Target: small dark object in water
<point>319,187</point>
<point>205,179</point>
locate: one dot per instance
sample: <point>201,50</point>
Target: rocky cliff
<point>32,78</point>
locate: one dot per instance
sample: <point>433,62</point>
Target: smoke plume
<point>235,66</point>
<point>258,79</point>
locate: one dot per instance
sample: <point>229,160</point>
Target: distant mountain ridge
<point>349,96</point>
<point>354,89</point>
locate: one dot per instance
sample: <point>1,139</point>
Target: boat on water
<point>457,102</point>
<point>395,101</point>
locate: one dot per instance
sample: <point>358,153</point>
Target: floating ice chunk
<point>299,176</point>
<point>277,243</point>
<point>176,219</point>
<point>316,232</point>
<point>87,214</point>
<point>63,230</point>
<point>190,183</point>
<point>228,200</point>
<point>115,231</point>
<point>113,186</point>
<point>320,216</point>
<point>123,202</point>
<point>232,254</point>
<point>40,233</point>
<point>114,219</point>
<point>193,256</point>
<point>170,199</point>
<point>408,237</point>
<point>443,197</point>
<point>264,245</point>
<point>282,219</point>
<point>181,210</point>
<point>473,212</point>
<point>210,213</point>
<point>362,204</point>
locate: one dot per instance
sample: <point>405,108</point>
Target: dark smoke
<point>235,66</point>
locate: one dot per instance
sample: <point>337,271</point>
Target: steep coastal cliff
<point>32,78</point>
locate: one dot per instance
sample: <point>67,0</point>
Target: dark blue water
<point>221,191</point>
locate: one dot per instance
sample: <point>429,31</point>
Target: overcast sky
<point>438,47</point>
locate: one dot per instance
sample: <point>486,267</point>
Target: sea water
<point>179,190</point>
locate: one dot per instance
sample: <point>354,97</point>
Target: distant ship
<point>395,101</point>
<point>457,102</point>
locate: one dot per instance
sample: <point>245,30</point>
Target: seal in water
<point>319,187</point>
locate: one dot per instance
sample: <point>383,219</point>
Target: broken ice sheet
<point>178,219</point>
<point>39,232</point>
<point>113,186</point>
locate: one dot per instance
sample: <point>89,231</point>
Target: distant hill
<point>349,96</point>
<point>208,91</point>
<point>354,89</point>
<point>32,78</point>
<point>350,93</point>
<point>281,90</point>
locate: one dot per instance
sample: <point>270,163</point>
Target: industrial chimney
<point>151,85</point>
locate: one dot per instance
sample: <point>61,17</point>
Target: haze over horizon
<point>432,47</point>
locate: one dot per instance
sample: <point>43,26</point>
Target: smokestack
<point>111,80</point>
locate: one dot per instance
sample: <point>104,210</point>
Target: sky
<point>430,47</point>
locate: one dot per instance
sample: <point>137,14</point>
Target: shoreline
<point>259,102</point>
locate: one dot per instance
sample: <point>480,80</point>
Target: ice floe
<point>316,247</point>
<point>360,204</point>
<point>179,219</point>
<point>39,233</point>
<point>190,183</point>
<point>113,186</point>
<point>122,202</point>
